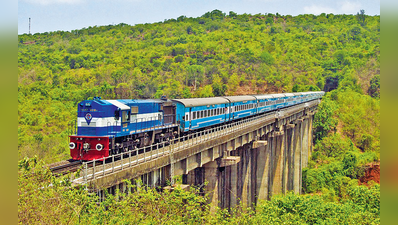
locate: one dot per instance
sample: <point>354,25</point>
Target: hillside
<point>212,55</point>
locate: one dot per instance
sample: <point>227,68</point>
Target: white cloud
<point>316,10</point>
<point>49,2</point>
<point>350,7</point>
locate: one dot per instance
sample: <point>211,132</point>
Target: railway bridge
<point>242,162</point>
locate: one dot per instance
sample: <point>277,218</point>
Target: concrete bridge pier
<point>263,156</point>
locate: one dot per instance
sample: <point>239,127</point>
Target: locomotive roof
<point>192,102</point>
<point>240,98</point>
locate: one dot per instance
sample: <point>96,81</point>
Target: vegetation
<point>40,203</point>
<point>212,55</point>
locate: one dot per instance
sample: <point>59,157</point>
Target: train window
<point>125,116</point>
<point>193,115</point>
<point>134,109</point>
<point>205,113</point>
<point>117,114</point>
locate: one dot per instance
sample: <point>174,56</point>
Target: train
<point>107,127</point>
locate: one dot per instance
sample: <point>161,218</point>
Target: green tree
<point>361,17</point>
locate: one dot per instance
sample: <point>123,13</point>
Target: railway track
<point>65,167</point>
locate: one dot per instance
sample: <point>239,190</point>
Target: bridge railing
<point>96,168</point>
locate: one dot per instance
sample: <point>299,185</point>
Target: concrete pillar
<point>287,158</point>
<point>305,145</point>
<point>271,148</point>
<point>277,162</point>
<point>290,157</point>
<point>211,176</point>
<point>246,179</point>
<point>297,158</point>
<point>310,139</point>
<point>233,185</point>
<point>262,172</point>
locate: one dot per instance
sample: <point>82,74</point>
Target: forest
<point>216,54</point>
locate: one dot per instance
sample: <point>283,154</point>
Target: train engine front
<point>106,127</point>
<point>94,122</point>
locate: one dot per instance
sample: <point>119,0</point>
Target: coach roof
<point>240,98</point>
<point>192,102</point>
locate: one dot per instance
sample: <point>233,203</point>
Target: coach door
<point>125,120</point>
<point>169,112</point>
<point>190,118</point>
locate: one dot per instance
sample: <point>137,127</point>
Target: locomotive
<point>106,127</point>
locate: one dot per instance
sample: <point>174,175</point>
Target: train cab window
<point>125,116</point>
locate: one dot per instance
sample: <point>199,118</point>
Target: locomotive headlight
<point>86,146</point>
<point>72,145</point>
<point>99,147</point>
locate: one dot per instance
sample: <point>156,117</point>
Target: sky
<point>67,15</point>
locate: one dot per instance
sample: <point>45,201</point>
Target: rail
<point>119,162</point>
